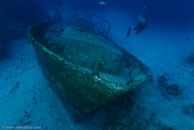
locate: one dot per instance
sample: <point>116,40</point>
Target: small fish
<point>102,3</point>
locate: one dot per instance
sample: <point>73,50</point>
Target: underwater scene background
<point>159,33</point>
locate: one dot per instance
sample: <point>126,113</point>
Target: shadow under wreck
<point>85,68</point>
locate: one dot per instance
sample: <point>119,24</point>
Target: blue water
<point>165,46</point>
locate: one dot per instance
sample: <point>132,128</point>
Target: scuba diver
<point>141,25</point>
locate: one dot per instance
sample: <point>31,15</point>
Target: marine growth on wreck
<point>85,68</point>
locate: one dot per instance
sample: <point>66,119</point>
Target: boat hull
<point>82,93</point>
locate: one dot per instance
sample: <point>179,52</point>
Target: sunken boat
<point>85,68</point>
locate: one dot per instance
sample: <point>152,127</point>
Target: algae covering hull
<point>83,92</point>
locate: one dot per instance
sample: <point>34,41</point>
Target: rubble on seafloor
<point>126,115</point>
<point>167,89</point>
<point>188,109</point>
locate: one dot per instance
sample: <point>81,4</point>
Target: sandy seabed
<point>28,100</point>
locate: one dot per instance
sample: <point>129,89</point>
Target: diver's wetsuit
<point>140,27</point>
<point>142,24</point>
